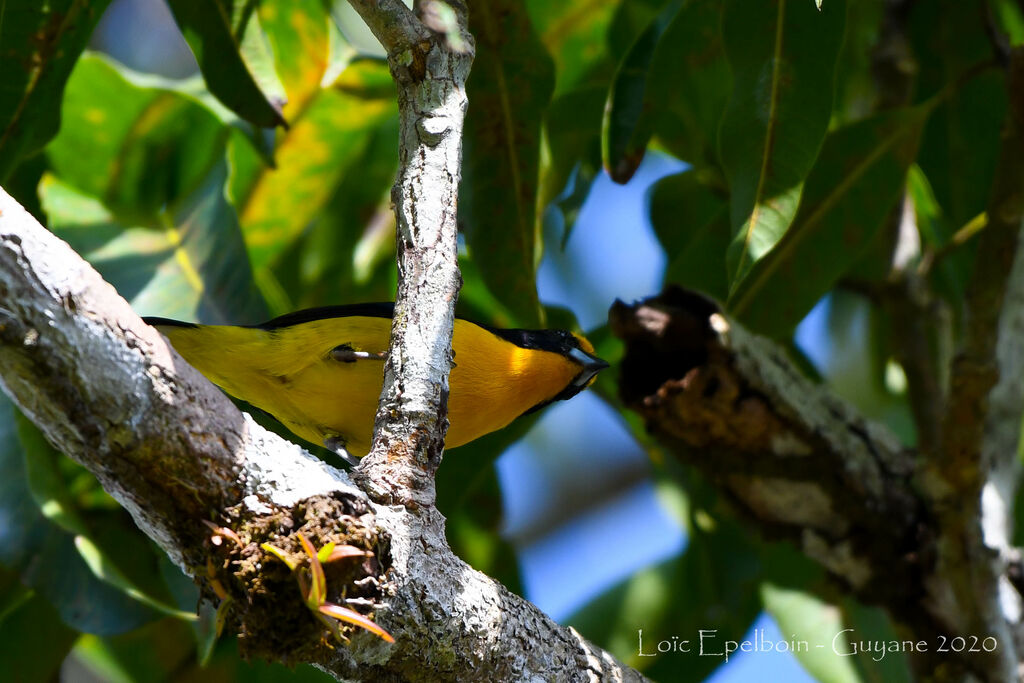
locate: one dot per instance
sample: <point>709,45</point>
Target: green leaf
<point>573,156</point>
<point>191,266</point>
<point>39,44</point>
<point>691,221</point>
<point>13,593</point>
<point>214,30</point>
<point>713,585</point>
<point>860,342</point>
<point>34,642</point>
<point>573,32</point>
<point>27,525</point>
<point>137,148</point>
<point>962,141</point>
<point>355,31</point>
<point>690,83</point>
<point>926,209</point>
<point>21,185</point>
<point>52,492</point>
<point>802,616</point>
<point>476,302</point>
<point>628,118</point>
<point>681,204</point>
<point>857,86</point>
<point>324,553</point>
<point>475,509</point>
<point>871,624</point>
<point>348,252</point>
<point>782,55</point>
<point>470,496</point>
<point>106,570</point>
<point>951,274</point>
<point>45,556</point>
<point>227,659</point>
<point>275,205</point>
<point>139,559</point>
<point>616,618</point>
<point>631,18</point>
<point>256,51</point>
<point>142,655</point>
<point>471,465</point>
<point>859,177</point>
<point>46,482</point>
<point>1010,16</point>
<point>279,554</point>
<point>318,591</point>
<point>481,544</point>
<point>510,86</point>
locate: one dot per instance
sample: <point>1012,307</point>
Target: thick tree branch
<point>975,370</point>
<point>1001,448</point>
<point>976,570</point>
<point>109,391</point>
<point>804,465</point>
<point>1001,441</point>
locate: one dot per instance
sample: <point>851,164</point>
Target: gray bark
<point>411,420</point>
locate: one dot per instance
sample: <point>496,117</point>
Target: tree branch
<point>956,478</point>
<point>975,370</point>
<point>392,23</point>
<point>802,464</point>
<point>411,419</point>
<point>921,339</point>
<point>110,392</point>
<point>1001,449</point>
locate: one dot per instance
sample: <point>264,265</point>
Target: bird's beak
<point>591,366</point>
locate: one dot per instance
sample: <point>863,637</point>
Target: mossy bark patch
<point>267,608</point>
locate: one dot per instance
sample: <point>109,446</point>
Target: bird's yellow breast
<point>290,373</point>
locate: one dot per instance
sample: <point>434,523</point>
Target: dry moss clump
<point>266,607</point>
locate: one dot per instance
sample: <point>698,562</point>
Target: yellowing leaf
<point>298,34</point>
<point>275,205</point>
<point>352,617</point>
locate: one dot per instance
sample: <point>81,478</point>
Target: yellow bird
<point>320,371</point>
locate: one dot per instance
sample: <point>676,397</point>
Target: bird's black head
<point>570,345</point>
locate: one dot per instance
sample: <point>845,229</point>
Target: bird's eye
<point>344,353</point>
